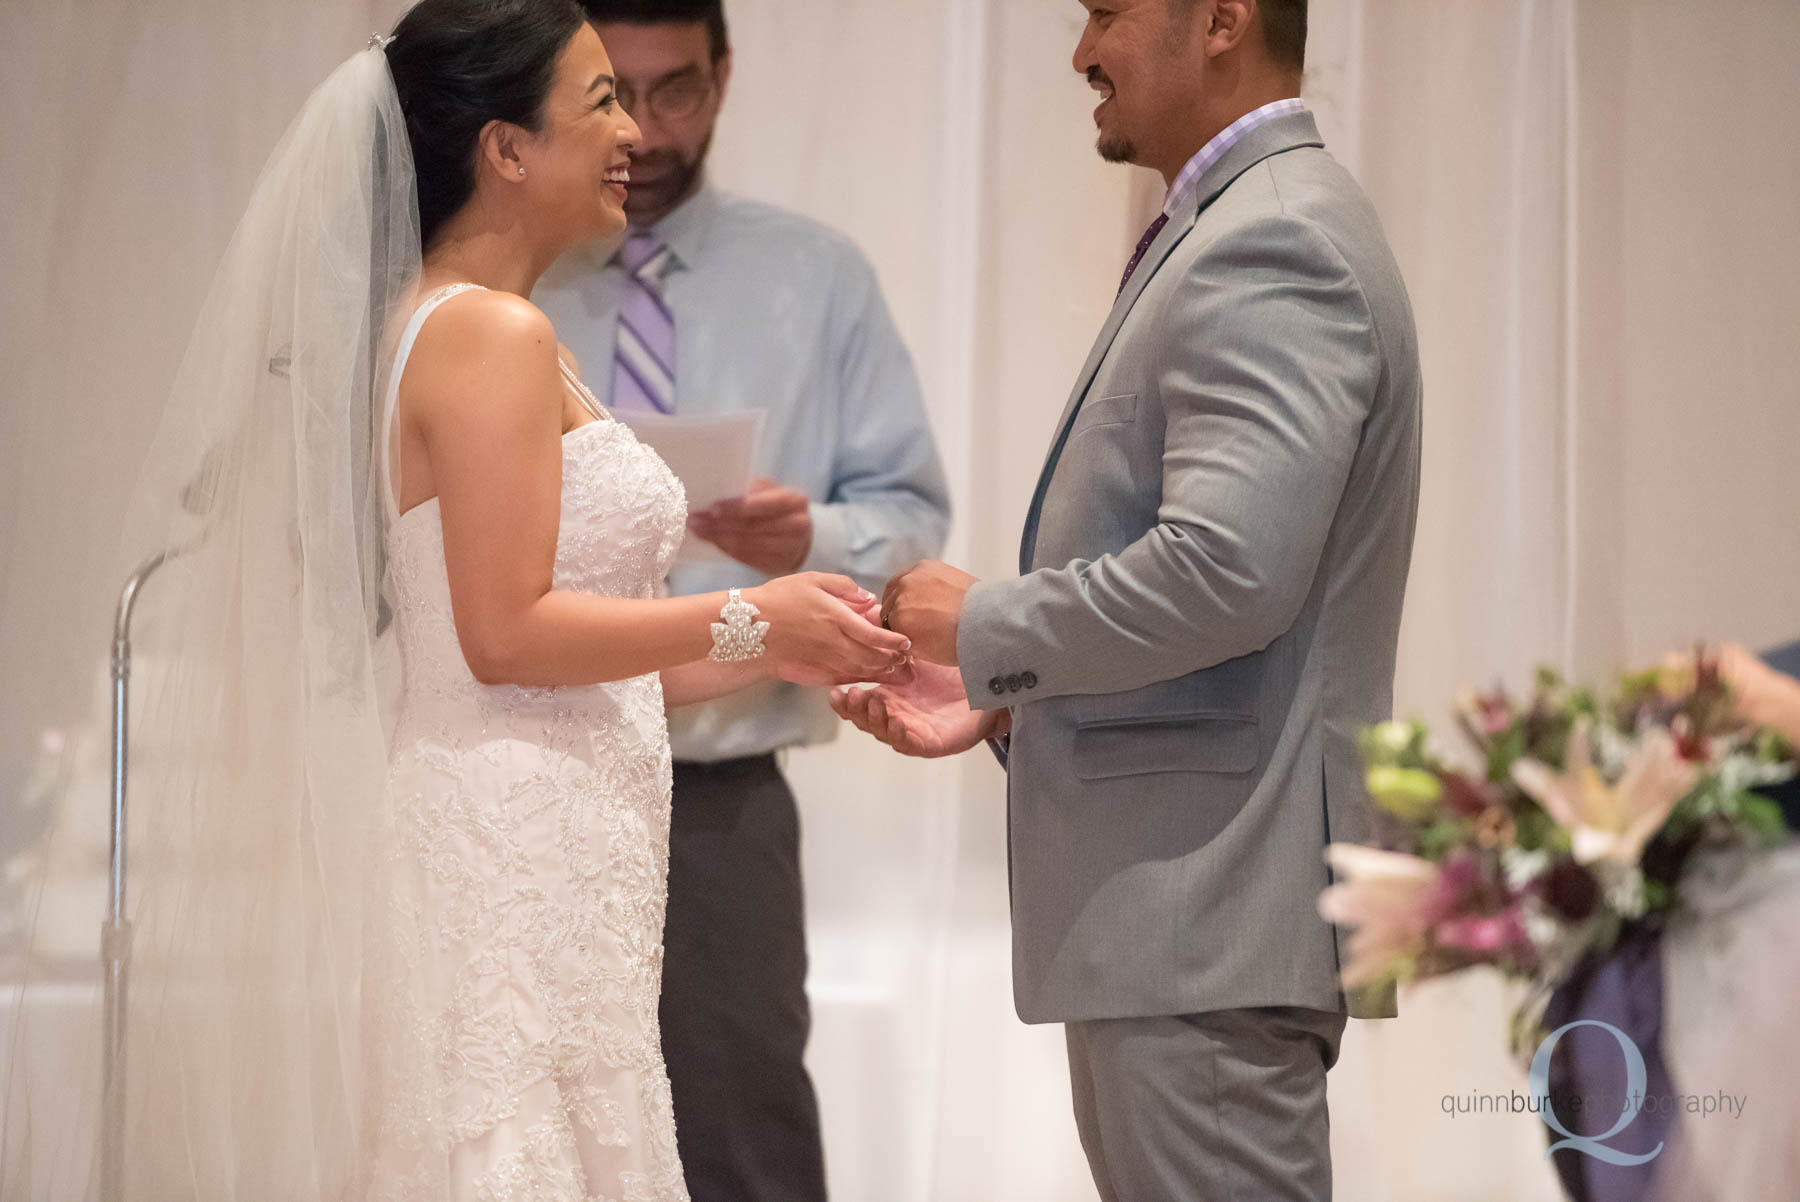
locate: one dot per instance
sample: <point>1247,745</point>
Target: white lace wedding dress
<point>515,949</point>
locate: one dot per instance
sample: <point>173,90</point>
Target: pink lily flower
<point>1611,822</point>
<point>1385,896</point>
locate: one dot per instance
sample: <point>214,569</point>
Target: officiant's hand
<point>924,603</point>
<point>927,716</point>
<point>769,528</point>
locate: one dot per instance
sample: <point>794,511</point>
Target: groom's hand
<point>925,715</point>
<point>924,604</point>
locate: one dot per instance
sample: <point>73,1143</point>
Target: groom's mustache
<point>1097,77</point>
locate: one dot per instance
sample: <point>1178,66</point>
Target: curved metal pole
<point>115,935</point>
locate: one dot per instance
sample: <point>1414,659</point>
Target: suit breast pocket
<point>1105,411</point>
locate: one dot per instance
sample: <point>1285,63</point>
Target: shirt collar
<point>685,227</point>
<point>1213,151</point>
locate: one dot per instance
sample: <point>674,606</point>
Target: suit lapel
<point>1270,138</point>
<point>1166,241</point>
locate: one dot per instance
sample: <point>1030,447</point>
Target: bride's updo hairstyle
<point>459,64</point>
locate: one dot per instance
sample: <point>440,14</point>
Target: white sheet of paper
<point>714,457</point>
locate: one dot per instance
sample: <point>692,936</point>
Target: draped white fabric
<point>1590,199</point>
<point>1586,199</point>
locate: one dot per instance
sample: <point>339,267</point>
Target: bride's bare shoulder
<point>478,346</point>
<point>481,323</point>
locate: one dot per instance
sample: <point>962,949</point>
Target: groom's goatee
<point>1116,150</point>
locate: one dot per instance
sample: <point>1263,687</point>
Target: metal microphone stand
<point>115,934</point>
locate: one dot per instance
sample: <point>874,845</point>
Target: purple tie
<point>644,352</point>
<point>1143,245</point>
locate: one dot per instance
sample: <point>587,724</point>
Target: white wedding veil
<point>258,746</point>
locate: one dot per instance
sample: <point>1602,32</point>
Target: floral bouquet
<point>1576,821</point>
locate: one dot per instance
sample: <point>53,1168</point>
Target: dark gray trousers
<point>734,1012</point>
<point>1226,1106</point>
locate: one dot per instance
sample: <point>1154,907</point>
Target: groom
<point>1212,570</point>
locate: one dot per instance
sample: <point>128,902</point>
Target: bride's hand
<point>822,631</point>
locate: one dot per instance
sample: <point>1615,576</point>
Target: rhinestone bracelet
<point>736,638</point>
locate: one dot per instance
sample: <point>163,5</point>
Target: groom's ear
<point>1229,24</point>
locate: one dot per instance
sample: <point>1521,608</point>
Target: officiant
<point>714,304</point>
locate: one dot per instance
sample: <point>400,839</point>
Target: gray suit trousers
<point>1225,1106</point>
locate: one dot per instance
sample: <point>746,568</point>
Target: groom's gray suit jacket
<point>1213,566</point>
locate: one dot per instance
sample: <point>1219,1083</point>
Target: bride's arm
<point>704,680</point>
<point>485,394</point>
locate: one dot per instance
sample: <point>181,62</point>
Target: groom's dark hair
<point>1284,28</point>
<point>710,13</point>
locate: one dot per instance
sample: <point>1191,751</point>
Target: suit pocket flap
<point>1210,742</point>
<point>1107,411</point>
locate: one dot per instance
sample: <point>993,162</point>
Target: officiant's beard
<point>674,177</point>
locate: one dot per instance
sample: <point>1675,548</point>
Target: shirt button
<point>996,686</point>
<point>1028,679</point>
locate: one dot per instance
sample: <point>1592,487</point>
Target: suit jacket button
<point>996,686</point>
<point>1028,679</point>
<point>1014,684</point>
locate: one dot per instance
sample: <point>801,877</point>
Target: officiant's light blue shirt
<point>774,311</point>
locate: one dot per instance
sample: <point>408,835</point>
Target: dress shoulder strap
<point>390,488</point>
<point>582,392</point>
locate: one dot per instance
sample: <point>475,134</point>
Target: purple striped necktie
<point>1143,245</point>
<point>644,351</point>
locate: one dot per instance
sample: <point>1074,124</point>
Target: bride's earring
<point>521,171</point>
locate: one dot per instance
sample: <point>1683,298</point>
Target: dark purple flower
<point>1466,797</point>
<point>1571,891</point>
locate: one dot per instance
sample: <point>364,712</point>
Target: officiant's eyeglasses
<point>670,100</point>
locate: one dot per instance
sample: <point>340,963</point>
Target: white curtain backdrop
<point>1588,199</point>
<point>1591,200</point>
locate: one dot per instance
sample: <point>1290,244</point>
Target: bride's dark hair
<point>459,64</point>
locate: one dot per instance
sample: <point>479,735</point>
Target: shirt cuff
<point>830,550</point>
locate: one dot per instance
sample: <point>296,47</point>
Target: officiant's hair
<point>711,13</point>
<point>459,64</point>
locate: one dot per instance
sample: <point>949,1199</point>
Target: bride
<point>414,951</point>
